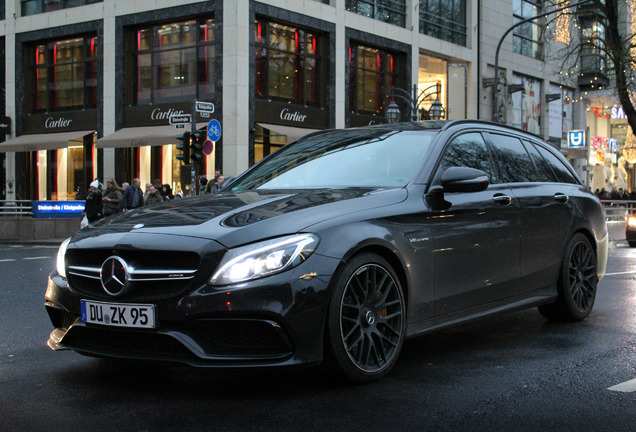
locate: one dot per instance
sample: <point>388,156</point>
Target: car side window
<point>469,150</point>
<point>562,173</point>
<point>543,169</point>
<point>516,164</point>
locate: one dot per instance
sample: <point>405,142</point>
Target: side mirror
<point>463,179</point>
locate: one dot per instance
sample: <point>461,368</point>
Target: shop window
<point>526,105</point>
<point>32,7</point>
<point>64,74</point>
<point>372,73</point>
<point>444,19</point>
<point>389,11</point>
<point>172,62</point>
<point>266,141</point>
<point>527,37</point>
<point>289,63</point>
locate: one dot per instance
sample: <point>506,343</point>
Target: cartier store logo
<point>294,116</point>
<point>158,114</point>
<point>52,123</point>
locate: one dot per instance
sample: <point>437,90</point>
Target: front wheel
<point>366,319</point>
<point>577,283</point>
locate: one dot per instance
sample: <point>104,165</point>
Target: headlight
<point>264,258</point>
<point>631,221</point>
<point>61,253</point>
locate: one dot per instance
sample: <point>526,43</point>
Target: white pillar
<point>236,91</point>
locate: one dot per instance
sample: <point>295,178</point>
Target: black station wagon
<point>336,248</point>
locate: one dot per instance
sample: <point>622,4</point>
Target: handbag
<point>84,223</point>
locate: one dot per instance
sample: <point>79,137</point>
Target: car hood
<point>235,219</point>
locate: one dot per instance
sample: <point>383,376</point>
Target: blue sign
<point>576,139</point>
<point>57,209</point>
<point>214,130</point>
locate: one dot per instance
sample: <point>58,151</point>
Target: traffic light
<point>196,146</point>
<point>184,147</point>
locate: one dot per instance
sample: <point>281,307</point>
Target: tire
<point>366,319</point>
<point>632,243</point>
<point>577,283</point>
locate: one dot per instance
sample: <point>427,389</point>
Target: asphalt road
<point>507,373</point>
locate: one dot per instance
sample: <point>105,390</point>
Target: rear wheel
<point>577,283</point>
<point>366,319</point>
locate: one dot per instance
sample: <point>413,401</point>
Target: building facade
<point>91,86</point>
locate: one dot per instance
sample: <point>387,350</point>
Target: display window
<point>289,63</point>
<point>64,74</point>
<point>172,62</point>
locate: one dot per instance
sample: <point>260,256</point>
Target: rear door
<point>475,235</point>
<point>545,210</point>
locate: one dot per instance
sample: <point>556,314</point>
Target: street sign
<point>214,130</point>
<point>180,126</point>
<point>180,119</point>
<point>204,107</point>
<point>208,147</point>
<point>576,139</point>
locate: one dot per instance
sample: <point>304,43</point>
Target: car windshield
<point>341,159</point>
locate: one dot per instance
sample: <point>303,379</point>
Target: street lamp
<point>413,101</point>
<point>495,108</point>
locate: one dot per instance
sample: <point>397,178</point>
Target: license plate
<point>118,314</point>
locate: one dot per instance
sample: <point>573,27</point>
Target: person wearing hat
<point>93,207</point>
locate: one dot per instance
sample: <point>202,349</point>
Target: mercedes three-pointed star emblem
<point>114,276</point>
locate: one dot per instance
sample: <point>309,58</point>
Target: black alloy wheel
<point>577,283</point>
<point>366,322</point>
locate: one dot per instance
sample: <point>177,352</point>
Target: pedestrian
<point>219,185</point>
<point>212,183</point>
<point>93,207</point>
<point>80,194</point>
<point>167,192</point>
<point>203,182</point>
<point>112,198</point>
<point>153,196</point>
<point>133,196</point>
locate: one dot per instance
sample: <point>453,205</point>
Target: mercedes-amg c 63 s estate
<point>335,249</point>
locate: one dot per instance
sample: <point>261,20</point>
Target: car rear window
<point>543,169</point>
<point>563,174</point>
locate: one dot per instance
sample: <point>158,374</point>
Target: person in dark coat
<point>93,207</point>
<point>133,196</point>
<point>112,198</point>
<point>167,192</point>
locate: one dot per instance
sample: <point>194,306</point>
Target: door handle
<point>561,197</point>
<point>502,199</point>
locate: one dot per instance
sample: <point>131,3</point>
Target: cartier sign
<point>291,115</point>
<point>157,114</point>
<point>282,113</point>
<point>66,121</point>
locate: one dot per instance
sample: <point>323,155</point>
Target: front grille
<point>129,343</point>
<point>238,337</point>
<point>155,275</point>
<point>228,340</point>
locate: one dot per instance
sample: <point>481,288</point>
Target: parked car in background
<point>335,249</point>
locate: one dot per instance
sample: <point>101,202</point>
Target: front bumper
<point>274,321</point>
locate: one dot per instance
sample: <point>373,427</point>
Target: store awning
<point>52,141</point>
<point>143,136</point>
<point>292,133</point>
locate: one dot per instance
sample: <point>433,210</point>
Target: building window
<point>592,46</point>
<point>372,73</point>
<point>172,62</point>
<point>527,37</point>
<point>526,105</point>
<point>32,7</point>
<point>64,74</point>
<point>444,19</point>
<point>289,63</point>
<point>389,11</point>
